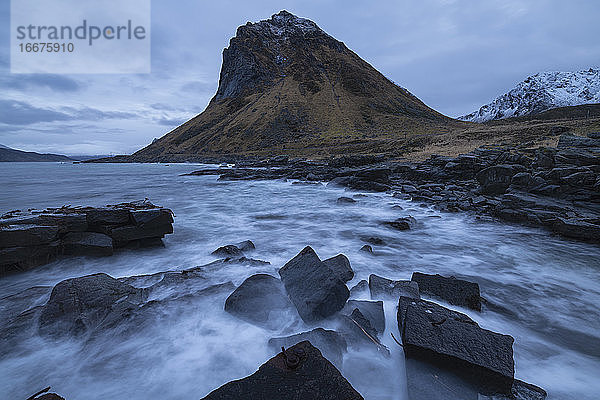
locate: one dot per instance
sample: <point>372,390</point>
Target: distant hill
<point>11,155</point>
<point>287,87</point>
<point>541,92</point>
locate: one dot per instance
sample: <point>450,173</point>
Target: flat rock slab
<point>87,244</point>
<point>314,377</point>
<point>261,300</point>
<point>315,289</point>
<point>33,238</point>
<point>454,341</point>
<point>79,305</point>
<point>383,288</point>
<point>332,344</point>
<point>455,291</point>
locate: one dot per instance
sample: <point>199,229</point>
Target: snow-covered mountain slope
<point>542,92</point>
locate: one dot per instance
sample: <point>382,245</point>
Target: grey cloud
<point>58,83</point>
<point>14,112</point>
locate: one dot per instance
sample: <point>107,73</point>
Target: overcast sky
<point>455,55</point>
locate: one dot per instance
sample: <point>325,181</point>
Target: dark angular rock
<point>345,200</point>
<point>371,310</point>
<point>455,291</point>
<point>152,218</point>
<point>496,179</point>
<point>402,224</point>
<point>107,217</point>
<point>234,250</point>
<point>261,300</point>
<point>316,290</point>
<point>229,250</point>
<point>124,234</point>
<point>87,244</point>
<point>454,341</point>
<point>366,248</point>
<point>341,266</point>
<point>314,377</point>
<point>27,235</point>
<point>80,305</point>
<point>246,246</point>
<point>332,344</point>
<point>16,259</point>
<point>387,288</point>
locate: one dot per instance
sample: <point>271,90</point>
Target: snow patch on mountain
<point>542,92</point>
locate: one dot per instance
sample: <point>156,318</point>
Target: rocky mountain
<point>286,86</point>
<point>11,155</point>
<point>542,92</point>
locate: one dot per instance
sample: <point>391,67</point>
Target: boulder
<point>345,200</point>
<point>315,289</point>
<point>260,300</point>
<point>80,305</point>
<point>455,291</point>
<point>453,341</point>
<point>341,266</point>
<point>301,372</point>
<point>496,179</point>
<point>234,250</point>
<point>229,250</point>
<point>371,310</point>
<point>402,224</point>
<point>382,288</point>
<point>87,244</point>
<point>367,249</point>
<point>332,344</point>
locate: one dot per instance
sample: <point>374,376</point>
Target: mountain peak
<point>286,86</point>
<point>541,92</point>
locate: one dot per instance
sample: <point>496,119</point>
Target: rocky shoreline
<point>555,188</point>
<point>446,351</point>
<point>32,238</point>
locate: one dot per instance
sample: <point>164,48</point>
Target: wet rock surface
<point>455,291</point>
<point>261,299</point>
<point>36,237</point>
<point>383,288</point>
<point>451,340</point>
<point>331,344</point>
<point>315,289</point>
<point>299,373</point>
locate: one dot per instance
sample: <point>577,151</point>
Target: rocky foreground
<point>556,188</point>
<point>448,355</point>
<point>37,237</point>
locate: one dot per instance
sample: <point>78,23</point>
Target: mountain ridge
<point>288,87</point>
<point>12,155</point>
<point>542,92</point>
